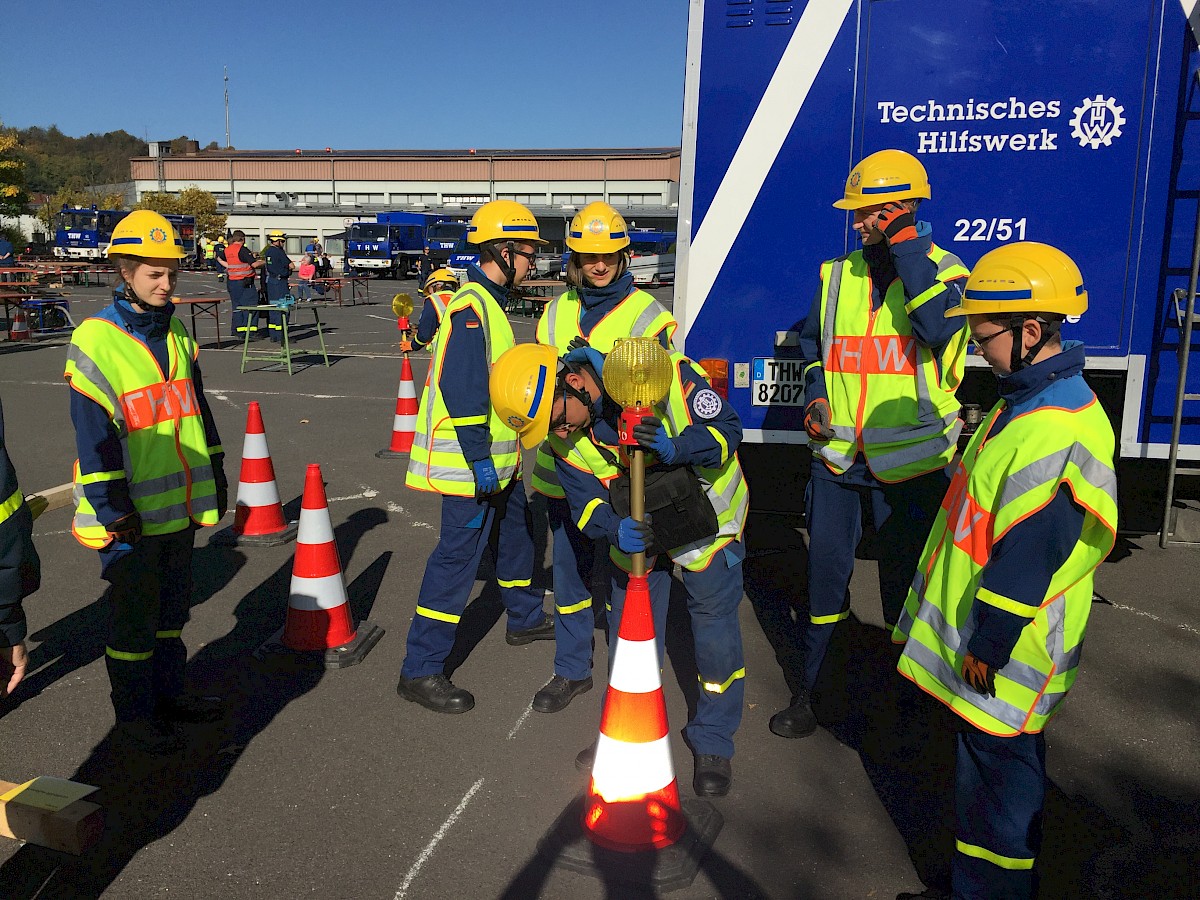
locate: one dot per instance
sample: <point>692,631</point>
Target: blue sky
<point>366,74</point>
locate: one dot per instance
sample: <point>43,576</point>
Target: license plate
<point>777,382</point>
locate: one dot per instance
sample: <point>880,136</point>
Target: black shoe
<point>585,757</point>
<point>559,692</point>
<point>436,692</point>
<point>540,632</point>
<point>153,736</point>
<point>796,721</point>
<point>190,708</point>
<point>714,775</point>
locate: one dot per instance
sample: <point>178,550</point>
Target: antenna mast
<point>227,143</point>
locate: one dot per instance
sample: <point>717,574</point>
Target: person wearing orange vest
<point>994,623</point>
<point>881,419</point>
<point>150,471</point>
<point>239,265</point>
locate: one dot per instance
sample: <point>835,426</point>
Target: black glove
<point>897,224</point>
<point>127,529</point>
<point>222,497</point>
<point>650,435</point>
<point>578,343</point>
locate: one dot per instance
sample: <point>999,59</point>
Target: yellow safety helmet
<point>440,275</point>
<point>522,388</point>
<point>147,234</point>
<point>598,228</point>
<point>884,177</point>
<point>276,235</point>
<point>503,220</point>
<point>1025,277</point>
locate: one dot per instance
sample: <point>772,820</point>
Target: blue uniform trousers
<point>999,791</point>
<point>713,598</point>
<point>242,293</point>
<point>902,514</point>
<point>149,602</point>
<point>277,289</point>
<point>574,617</point>
<point>468,528</point>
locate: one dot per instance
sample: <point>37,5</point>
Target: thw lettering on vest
<point>158,403</point>
<point>885,354</point>
<point>970,525</point>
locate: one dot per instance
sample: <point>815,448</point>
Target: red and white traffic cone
<point>404,425</point>
<point>318,615</point>
<point>633,798</point>
<point>258,518</point>
<point>18,328</point>
<point>630,824</point>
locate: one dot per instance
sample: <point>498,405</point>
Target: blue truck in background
<point>442,236</point>
<point>390,246</point>
<point>86,232</point>
<point>1061,123</point>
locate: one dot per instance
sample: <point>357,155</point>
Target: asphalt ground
<point>326,783</point>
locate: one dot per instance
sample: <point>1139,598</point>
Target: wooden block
<point>73,829</point>
<point>51,498</point>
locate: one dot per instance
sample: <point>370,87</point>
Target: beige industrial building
<point>318,193</point>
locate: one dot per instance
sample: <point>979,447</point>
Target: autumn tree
<point>191,201</point>
<point>12,175</point>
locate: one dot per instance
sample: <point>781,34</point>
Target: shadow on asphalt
<point>145,797</point>
<point>906,743</point>
<point>624,876</point>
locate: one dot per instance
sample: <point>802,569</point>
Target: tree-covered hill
<point>54,160</point>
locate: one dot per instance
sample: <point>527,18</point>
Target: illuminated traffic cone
<point>18,329</point>
<point>633,798</point>
<point>318,615</point>
<point>630,825</point>
<point>404,425</point>
<point>258,519</point>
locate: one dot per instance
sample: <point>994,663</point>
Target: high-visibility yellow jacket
<point>437,463</point>
<point>1000,481</point>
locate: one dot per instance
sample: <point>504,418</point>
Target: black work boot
<point>543,631</point>
<point>797,720</point>
<point>436,692</point>
<point>153,736</point>
<point>586,757</point>
<point>713,777</point>
<point>190,708</point>
<point>558,693</point>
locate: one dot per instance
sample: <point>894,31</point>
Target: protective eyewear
<point>980,343</point>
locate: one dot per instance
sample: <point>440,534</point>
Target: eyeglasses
<point>980,343</point>
<point>559,422</point>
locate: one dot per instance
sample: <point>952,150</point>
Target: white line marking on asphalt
<point>367,493</point>
<point>520,722</point>
<point>382,318</point>
<point>441,833</point>
<point>1146,615</point>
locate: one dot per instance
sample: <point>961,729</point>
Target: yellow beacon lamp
<point>637,374</point>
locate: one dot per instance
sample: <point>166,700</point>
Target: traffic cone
<point>318,615</point>
<point>258,518</point>
<point>632,799</point>
<point>404,425</point>
<point>630,825</point>
<point>18,328</point>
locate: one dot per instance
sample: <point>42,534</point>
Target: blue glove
<point>651,435</point>
<point>634,536</point>
<point>487,482</point>
<point>592,357</point>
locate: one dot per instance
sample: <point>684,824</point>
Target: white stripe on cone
<point>315,527</point>
<point>255,446</point>
<point>635,669</point>
<point>404,423</point>
<point>262,493</point>
<point>637,768</point>
<point>407,390</point>
<point>317,593</point>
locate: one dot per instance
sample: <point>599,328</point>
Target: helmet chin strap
<point>509,270</point>
<point>1017,325</point>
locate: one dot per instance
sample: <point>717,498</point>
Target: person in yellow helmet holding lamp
<point>150,471</point>
<point>693,436</point>
<point>881,415</point>
<point>601,307</point>
<point>994,622</point>
<point>438,289</point>
<point>470,456</point>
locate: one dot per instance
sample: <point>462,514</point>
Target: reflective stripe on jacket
<point>158,420</point>
<point>638,315</point>
<point>1001,481</point>
<point>889,396</point>
<point>436,462</point>
<point>725,486</point>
